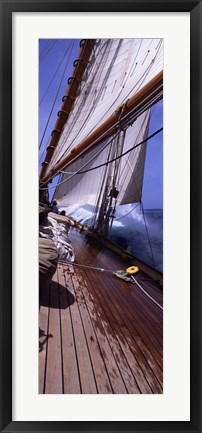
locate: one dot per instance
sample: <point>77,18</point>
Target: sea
<point>138,233</point>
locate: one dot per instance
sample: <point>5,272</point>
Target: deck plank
<point>126,291</point>
<point>122,289</point>
<point>98,323</point>
<point>137,323</point>
<point>102,380</point>
<point>119,322</point>
<point>122,363</point>
<point>87,379</point>
<point>145,329</point>
<point>132,292</point>
<point>70,367</point>
<point>54,376</point>
<point>43,340</point>
<point>139,381</point>
<point>122,310</point>
<point>99,334</point>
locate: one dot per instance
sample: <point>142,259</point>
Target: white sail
<point>132,165</point>
<point>117,69</point>
<point>84,187</point>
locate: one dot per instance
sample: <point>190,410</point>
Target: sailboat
<point>101,318</point>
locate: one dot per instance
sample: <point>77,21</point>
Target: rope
<point>78,171</point>
<point>92,267</point>
<point>112,272</point>
<point>127,160</point>
<point>118,219</point>
<point>143,76</point>
<point>147,294</point>
<point>54,75</point>
<point>47,50</point>
<point>147,232</point>
<point>80,102</point>
<point>44,151</point>
<point>92,103</point>
<point>140,82</point>
<point>101,189</point>
<point>123,154</point>
<point>108,162</point>
<point>56,97</point>
<point>132,67</point>
<point>42,50</point>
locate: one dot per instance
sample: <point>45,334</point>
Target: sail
<point>117,69</point>
<point>82,187</point>
<point>132,165</point>
<point>80,183</point>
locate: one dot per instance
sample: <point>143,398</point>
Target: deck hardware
<point>123,275</point>
<point>45,163</point>
<point>82,42</point>
<point>79,61</point>
<point>132,270</point>
<point>55,130</point>
<point>50,147</point>
<point>72,79</point>
<point>68,96</point>
<point>66,113</point>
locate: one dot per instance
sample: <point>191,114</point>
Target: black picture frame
<point>7,8</point>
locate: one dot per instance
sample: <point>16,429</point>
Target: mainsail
<point>85,186</point>
<point>117,70</point>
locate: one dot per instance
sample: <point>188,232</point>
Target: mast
<point>74,81</point>
<point>138,103</point>
<point>108,206</point>
<point>83,136</point>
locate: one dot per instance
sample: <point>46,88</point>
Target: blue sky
<point>52,53</point>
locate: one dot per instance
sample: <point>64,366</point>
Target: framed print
<point>100,142</point>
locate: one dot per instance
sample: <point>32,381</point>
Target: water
<point>129,230</point>
<point>130,233</point>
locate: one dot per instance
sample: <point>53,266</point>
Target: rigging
<point>65,68</point>
<point>105,163</point>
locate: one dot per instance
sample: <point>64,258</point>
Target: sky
<point>56,59</point>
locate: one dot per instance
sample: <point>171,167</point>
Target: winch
<point>127,275</point>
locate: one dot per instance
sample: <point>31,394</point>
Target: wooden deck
<point>99,334</point>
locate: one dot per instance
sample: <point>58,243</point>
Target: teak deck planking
<point>99,334</point>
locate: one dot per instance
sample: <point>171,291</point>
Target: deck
<point>99,334</point>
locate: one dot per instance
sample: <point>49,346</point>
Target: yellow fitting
<point>132,270</point>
